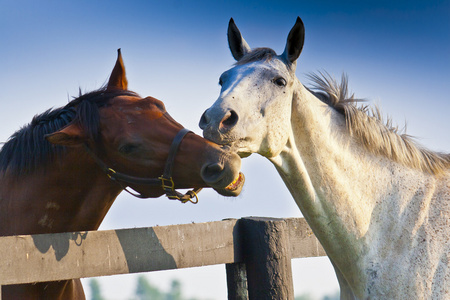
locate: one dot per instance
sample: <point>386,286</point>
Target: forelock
<point>257,54</point>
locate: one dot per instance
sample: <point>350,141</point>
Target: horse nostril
<point>229,120</point>
<point>212,172</point>
<point>204,120</point>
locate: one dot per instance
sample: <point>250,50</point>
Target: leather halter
<point>165,180</point>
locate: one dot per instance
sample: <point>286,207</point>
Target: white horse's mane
<point>366,123</point>
<point>376,135</point>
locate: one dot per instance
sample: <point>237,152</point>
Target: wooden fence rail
<point>50,257</point>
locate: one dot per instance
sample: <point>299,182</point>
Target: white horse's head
<point>253,111</point>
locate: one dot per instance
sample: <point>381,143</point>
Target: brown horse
<point>58,174</point>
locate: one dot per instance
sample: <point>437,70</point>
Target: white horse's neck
<point>351,198</point>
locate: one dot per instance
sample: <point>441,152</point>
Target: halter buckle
<point>170,185</point>
<point>110,172</point>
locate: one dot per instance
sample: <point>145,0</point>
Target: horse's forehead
<point>256,69</point>
<point>145,108</point>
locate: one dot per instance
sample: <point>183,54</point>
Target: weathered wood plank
<point>47,257</point>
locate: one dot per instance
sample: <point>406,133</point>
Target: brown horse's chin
<point>144,192</point>
<point>234,188</point>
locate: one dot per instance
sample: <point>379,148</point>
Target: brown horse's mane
<point>374,133</point>
<point>27,149</point>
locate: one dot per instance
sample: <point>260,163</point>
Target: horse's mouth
<point>237,183</point>
<point>234,146</point>
<point>244,154</point>
<point>234,188</point>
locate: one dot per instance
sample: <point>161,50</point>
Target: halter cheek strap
<point>165,180</point>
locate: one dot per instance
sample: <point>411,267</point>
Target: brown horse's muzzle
<point>224,176</point>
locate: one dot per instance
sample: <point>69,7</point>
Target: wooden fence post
<point>236,281</point>
<point>266,252</point>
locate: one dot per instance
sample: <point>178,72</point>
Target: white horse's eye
<point>280,81</point>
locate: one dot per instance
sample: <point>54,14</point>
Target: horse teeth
<point>231,186</point>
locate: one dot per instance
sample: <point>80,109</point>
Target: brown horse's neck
<point>70,195</point>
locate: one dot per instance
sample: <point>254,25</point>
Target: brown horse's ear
<point>118,79</point>
<point>71,135</point>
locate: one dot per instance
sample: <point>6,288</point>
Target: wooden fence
<point>256,251</point>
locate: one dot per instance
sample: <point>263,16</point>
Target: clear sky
<point>396,54</point>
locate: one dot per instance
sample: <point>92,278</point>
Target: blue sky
<point>396,54</point>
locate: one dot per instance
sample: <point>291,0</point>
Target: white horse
<point>378,203</point>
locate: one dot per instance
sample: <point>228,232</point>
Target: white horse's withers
<point>378,203</point>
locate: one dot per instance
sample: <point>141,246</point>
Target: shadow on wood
<point>143,250</point>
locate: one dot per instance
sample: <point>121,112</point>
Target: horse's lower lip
<point>234,188</point>
<point>238,182</point>
<point>244,154</point>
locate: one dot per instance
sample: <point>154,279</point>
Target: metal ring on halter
<point>190,199</point>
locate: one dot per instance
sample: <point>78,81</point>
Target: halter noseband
<point>165,180</point>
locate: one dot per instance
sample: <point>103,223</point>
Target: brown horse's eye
<point>280,81</point>
<point>128,148</point>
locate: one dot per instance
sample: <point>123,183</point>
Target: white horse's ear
<point>294,43</point>
<point>238,45</point>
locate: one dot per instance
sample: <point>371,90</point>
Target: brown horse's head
<point>133,135</point>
